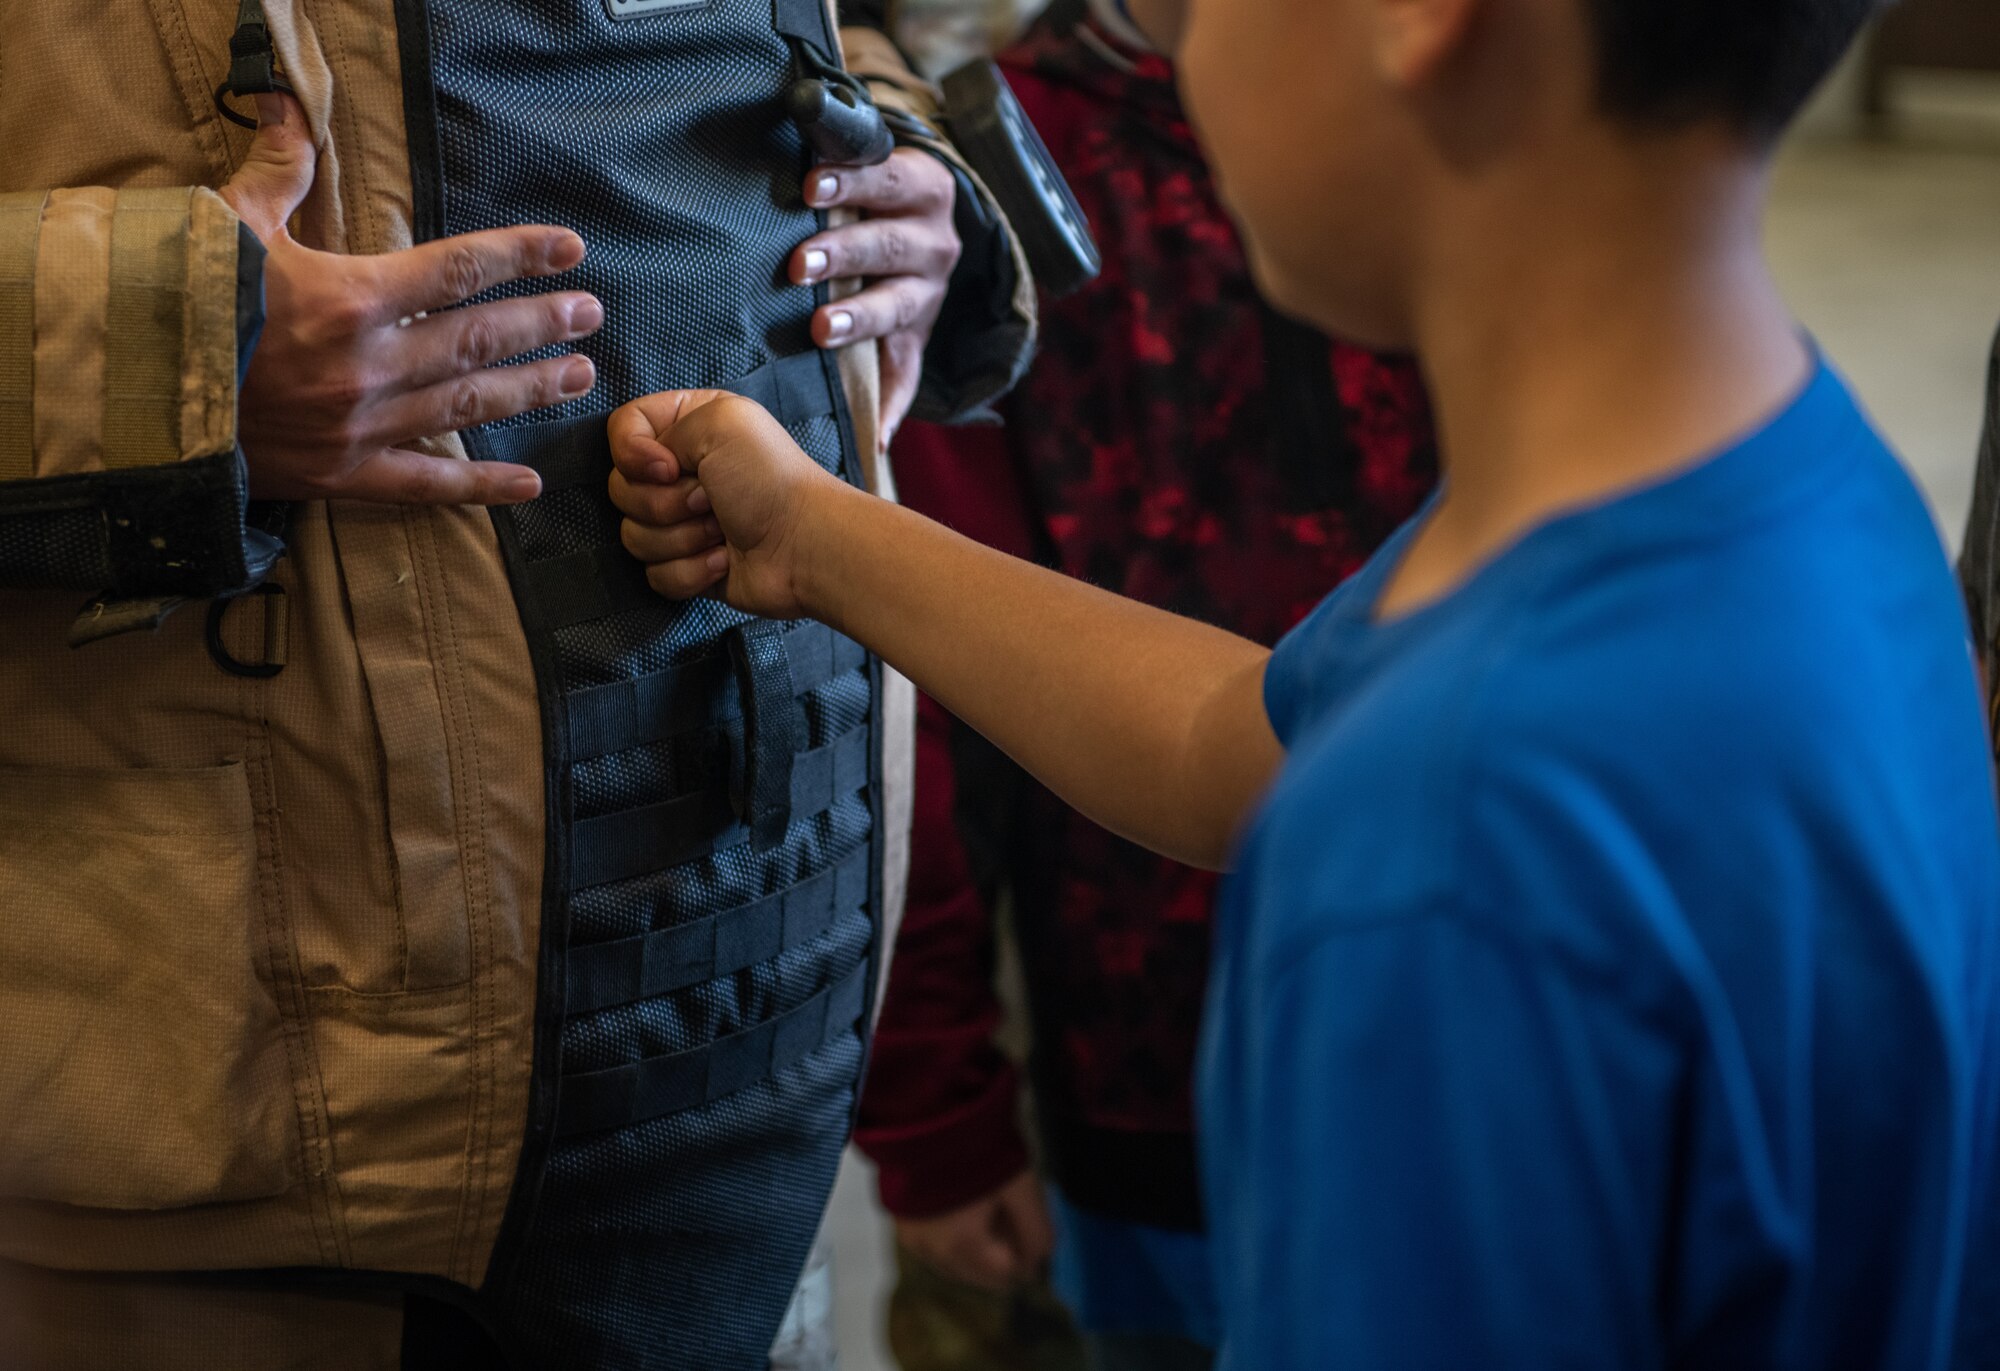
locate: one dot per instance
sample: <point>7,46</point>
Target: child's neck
<point>1577,348</point>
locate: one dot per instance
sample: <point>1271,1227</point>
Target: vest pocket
<point>141,1065</point>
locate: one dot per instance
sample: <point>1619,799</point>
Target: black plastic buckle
<point>253,63</point>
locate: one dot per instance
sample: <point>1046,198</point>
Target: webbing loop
<point>770,730</point>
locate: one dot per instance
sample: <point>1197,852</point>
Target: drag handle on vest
<point>840,122</point>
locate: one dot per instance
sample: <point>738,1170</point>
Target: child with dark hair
<point>1181,442</point>
<point>1610,971</point>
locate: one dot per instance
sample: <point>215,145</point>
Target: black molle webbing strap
<point>793,388</point>
<point>770,730</point>
<point>635,842</point>
<point>627,970</point>
<point>820,777</point>
<point>690,696</point>
<point>624,1095</point>
<point>806,20</point>
<point>573,453</point>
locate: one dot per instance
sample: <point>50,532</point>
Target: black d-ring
<point>218,610</point>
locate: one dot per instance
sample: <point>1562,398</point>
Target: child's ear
<point>1415,39</point>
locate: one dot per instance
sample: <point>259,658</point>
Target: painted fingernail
<point>718,560</point>
<point>698,501</point>
<point>815,264</point>
<point>578,377</point>
<point>585,316</point>
<point>825,188</point>
<point>838,325</point>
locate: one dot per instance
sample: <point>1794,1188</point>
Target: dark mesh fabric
<point>663,141</point>
<point>65,550</point>
<point>672,1243</point>
<point>668,1259</point>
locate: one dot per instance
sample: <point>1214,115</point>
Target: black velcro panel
<point>627,970</point>
<point>634,842</point>
<point>582,587</point>
<point>645,1090</point>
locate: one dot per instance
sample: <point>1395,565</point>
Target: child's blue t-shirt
<point>1610,980</point>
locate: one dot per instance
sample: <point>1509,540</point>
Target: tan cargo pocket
<point>140,1059</point>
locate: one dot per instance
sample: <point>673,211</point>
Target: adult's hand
<point>905,248</point>
<point>996,1242</point>
<point>349,370</point>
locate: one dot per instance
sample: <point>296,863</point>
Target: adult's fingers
<point>443,273</point>
<point>902,373</point>
<point>893,306</point>
<point>277,171</point>
<point>464,340</point>
<point>911,181</point>
<point>400,477</point>
<point>878,247</point>
<point>653,543</point>
<point>481,397</point>
<point>652,503</point>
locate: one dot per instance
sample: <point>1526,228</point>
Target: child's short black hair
<point>1748,63</point>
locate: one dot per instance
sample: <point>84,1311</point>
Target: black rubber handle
<point>840,123</point>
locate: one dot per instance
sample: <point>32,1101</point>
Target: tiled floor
<point>1890,253</point>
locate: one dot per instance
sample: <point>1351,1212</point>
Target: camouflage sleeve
<point>125,317</point>
<point>985,337</point>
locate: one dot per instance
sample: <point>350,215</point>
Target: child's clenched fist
<point>715,491</point>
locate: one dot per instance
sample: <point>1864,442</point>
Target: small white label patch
<point>642,9</point>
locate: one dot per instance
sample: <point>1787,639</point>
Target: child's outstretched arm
<point>1151,724</point>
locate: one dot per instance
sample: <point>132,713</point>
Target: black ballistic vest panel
<point>710,921</point>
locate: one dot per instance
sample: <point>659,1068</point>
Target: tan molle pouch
<point>141,1063</point>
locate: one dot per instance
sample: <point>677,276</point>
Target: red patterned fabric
<point>1179,443</point>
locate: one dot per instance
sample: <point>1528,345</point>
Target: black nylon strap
<point>617,847</point>
<point>806,20</point>
<point>569,453</point>
<point>770,730</point>
<point>623,1095</point>
<point>634,842</point>
<point>627,970</point>
<point>795,389</point>
<point>574,453</point>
